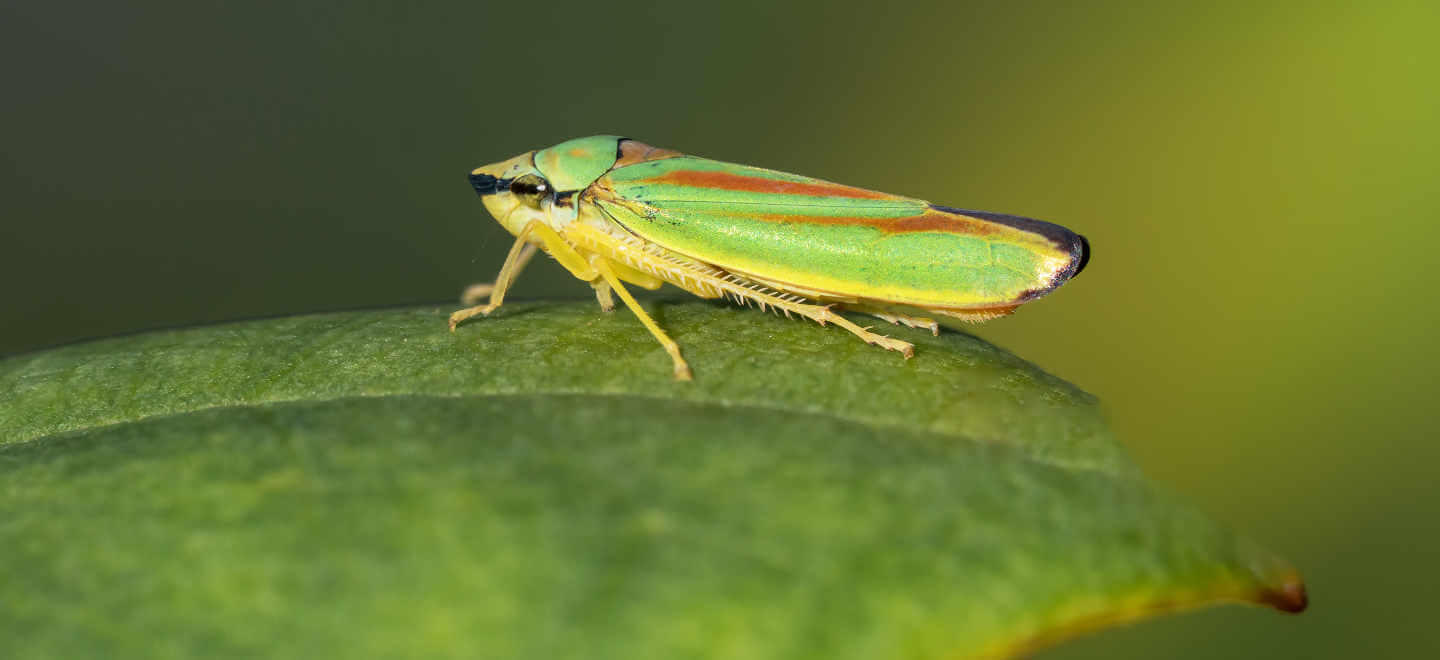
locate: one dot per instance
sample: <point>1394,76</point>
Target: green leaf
<point>536,486</point>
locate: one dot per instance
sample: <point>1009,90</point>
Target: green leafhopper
<point>614,211</point>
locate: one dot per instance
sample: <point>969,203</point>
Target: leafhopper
<point>614,211</point>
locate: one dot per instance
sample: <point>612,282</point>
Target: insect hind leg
<point>710,282</point>
<point>823,314</point>
<point>896,317</point>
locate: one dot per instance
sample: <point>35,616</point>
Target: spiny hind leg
<point>553,244</point>
<point>710,285</point>
<point>709,282</point>
<point>896,318</point>
<point>823,315</point>
<point>607,271</point>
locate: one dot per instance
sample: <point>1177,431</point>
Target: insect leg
<point>711,282</point>
<point>822,314</point>
<point>626,274</point>
<point>606,270</point>
<point>474,293</point>
<point>553,244</point>
<point>511,268</point>
<point>602,294</point>
<point>896,318</point>
<point>638,278</point>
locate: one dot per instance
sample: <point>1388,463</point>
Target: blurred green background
<point>1258,182</point>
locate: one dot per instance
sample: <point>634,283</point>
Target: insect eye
<point>531,189</point>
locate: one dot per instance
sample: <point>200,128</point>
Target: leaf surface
<point>535,485</point>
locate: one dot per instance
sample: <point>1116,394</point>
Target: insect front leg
<point>553,244</point>
<point>473,294</point>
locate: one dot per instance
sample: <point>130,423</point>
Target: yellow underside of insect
<point>609,259</point>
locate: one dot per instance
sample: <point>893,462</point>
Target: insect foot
<point>904,347</point>
<point>470,312</point>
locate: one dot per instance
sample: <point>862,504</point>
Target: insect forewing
<point>822,236</point>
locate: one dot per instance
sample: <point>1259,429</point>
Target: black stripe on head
<point>484,184</point>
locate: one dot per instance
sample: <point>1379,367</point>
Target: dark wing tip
<point>1078,245</point>
<point>1079,258</point>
